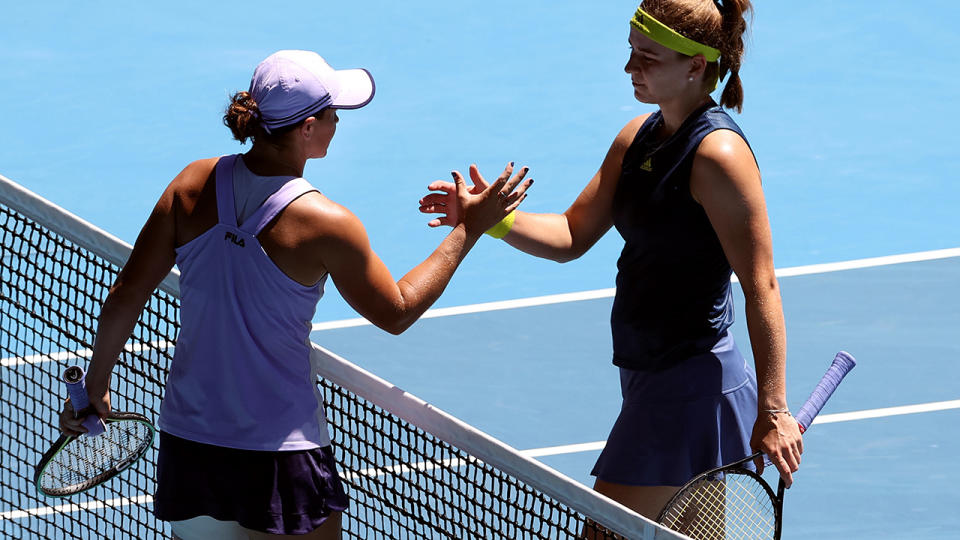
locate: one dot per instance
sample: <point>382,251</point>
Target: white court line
<point>62,356</point>
<point>534,452</point>
<point>134,348</point>
<point>572,297</point>
<point>75,507</point>
<point>889,411</point>
<point>479,308</point>
<point>822,419</point>
<point>546,300</point>
<point>608,293</point>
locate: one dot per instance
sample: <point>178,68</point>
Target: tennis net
<point>412,471</point>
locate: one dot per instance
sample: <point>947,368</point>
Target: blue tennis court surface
<point>541,378</point>
<point>849,107</point>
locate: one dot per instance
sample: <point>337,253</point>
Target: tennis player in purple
<point>682,188</point>
<point>244,448</point>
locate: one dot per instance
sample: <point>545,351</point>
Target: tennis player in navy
<point>244,448</point>
<point>683,189</point>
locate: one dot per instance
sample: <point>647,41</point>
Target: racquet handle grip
<point>74,377</point>
<point>842,364</point>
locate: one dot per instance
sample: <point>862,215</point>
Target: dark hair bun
<point>242,117</point>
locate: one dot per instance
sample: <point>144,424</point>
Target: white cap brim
<point>356,89</point>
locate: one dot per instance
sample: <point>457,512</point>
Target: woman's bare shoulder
<point>324,218</point>
<point>193,178</point>
<point>625,138</point>
<point>633,126</point>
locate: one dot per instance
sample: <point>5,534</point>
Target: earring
<point>691,79</point>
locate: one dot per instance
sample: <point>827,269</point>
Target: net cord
<point>607,512</point>
<point>75,229</point>
<point>446,427</point>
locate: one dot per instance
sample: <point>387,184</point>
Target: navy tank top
<point>673,296</point>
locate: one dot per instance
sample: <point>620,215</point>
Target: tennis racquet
<point>75,464</point>
<point>734,502</point>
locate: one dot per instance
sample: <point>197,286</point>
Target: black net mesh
<point>50,292</point>
<point>404,482</point>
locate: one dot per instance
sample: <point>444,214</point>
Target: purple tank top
<point>241,375</point>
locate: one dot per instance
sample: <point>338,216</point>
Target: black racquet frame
<point>64,440</point>
<point>842,364</point>
<point>74,376</point>
<point>737,467</point>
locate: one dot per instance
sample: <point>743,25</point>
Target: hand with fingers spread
<point>308,238</point>
<point>683,190</point>
<point>456,201</point>
<point>778,436</point>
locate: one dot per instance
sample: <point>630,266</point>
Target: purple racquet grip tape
<point>74,376</point>
<point>842,365</point>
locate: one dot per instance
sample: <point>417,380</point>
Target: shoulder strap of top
<point>275,204</point>
<point>717,119</point>
<point>701,122</point>
<point>226,210</point>
<point>647,127</point>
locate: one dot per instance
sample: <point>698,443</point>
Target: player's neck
<point>269,160</point>
<point>676,112</point>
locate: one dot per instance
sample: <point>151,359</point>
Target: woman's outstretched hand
<point>479,206</point>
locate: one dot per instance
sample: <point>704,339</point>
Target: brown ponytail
<point>243,117</point>
<point>719,24</point>
<point>732,27</point>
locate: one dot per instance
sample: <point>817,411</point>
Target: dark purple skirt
<point>271,492</point>
<point>682,421</point>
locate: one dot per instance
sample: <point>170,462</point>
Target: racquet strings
<point>82,460</point>
<point>731,506</point>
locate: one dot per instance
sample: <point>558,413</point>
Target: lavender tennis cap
<point>290,86</point>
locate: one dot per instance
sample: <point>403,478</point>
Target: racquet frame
<point>842,364</point>
<point>73,376</point>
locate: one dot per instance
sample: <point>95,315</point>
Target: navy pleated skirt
<point>272,492</point>
<point>684,420</point>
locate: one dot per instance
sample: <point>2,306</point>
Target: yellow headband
<point>667,37</point>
